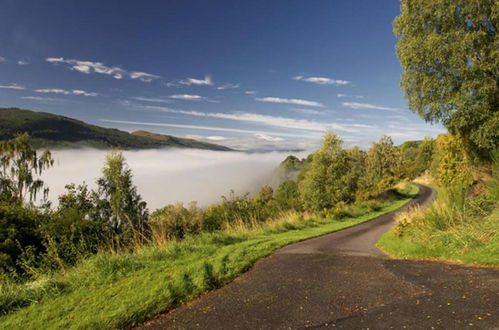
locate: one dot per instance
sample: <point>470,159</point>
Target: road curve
<point>341,280</point>
<point>359,240</point>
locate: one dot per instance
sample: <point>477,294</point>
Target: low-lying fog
<point>171,175</point>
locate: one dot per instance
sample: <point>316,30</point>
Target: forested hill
<point>54,131</point>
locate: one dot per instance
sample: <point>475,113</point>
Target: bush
<point>19,232</point>
<point>176,221</point>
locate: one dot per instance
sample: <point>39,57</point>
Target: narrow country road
<point>341,280</point>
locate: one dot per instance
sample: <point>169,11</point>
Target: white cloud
<point>187,97</point>
<point>250,92</point>
<point>215,138</point>
<point>23,62</point>
<point>339,95</point>
<point>193,81</point>
<point>88,67</point>
<point>38,98</point>
<point>142,76</point>
<point>65,92</point>
<point>228,86</point>
<point>308,111</point>
<point>12,86</point>
<point>199,127</point>
<point>290,123</point>
<point>269,138</point>
<point>363,106</point>
<point>151,99</point>
<point>322,80</point>
<point>272,99</point>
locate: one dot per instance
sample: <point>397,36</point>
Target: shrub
<point>176,221</point>
<point>18,231</point>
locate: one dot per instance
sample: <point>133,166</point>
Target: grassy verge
<point>472,243</point>
<point>454,228</point>
<point>121,290</point>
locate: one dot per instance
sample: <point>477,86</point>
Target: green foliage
<point>18,232</point>
<point>287,196</point>
<point>20,168</point>
<point>175,221</point>
<point>289,167</point>
<point>119,201</point>
<point>458,225</point>
<point>331,176</point>
<point>451,165</point>
<point>450,56</point>
<point>49,131</point>
<point>382,168</point>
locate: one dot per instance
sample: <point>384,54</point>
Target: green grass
<point>473,243</point>
<point>456,227</point>
<point>121,290</point>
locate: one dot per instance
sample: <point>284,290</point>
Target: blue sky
<point>248,74</point>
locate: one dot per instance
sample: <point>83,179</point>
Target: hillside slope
<point>49,130</point>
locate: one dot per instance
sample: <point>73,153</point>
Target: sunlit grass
<point>121,290</point>
<point>455,227</point>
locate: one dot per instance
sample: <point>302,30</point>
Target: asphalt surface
<point>341,280</point>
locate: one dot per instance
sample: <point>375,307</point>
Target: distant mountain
<point>54,131</point>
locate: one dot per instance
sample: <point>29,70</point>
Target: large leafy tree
<point>450,56</point>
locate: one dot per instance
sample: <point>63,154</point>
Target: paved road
<point>341,280</point>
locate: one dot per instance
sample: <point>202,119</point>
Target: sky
<point>252,75</point>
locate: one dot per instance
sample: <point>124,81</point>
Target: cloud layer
<point>172,175</point>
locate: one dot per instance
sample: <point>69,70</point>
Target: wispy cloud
<point>23,62</point>
<point>322,80</point>
<point>308,111</point>
<point>250,92</point>
<point>13,86</point>
<point>273,99</point>
<point>367,106</point>
<point>187,97</point>
<point>339,95</point>
<point>3,59</point>
<point>199,127</point>
<point>39,98</point>
<point>66,92</point>
<point>151,99</point>
<point>228,86</point>
<point>284,122</point>
<point>268,138</point>
<point>142,76</point>
<point>193,81</point>
<point>116,72</point>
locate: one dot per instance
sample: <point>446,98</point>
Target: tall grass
<point>457,226</point>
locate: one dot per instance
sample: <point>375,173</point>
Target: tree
<point>382,166</point>
<point>119,200</point>
<point>450,56</point>
<point>287,196</point>
<point>20,168</point>
<point>323,184</point>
